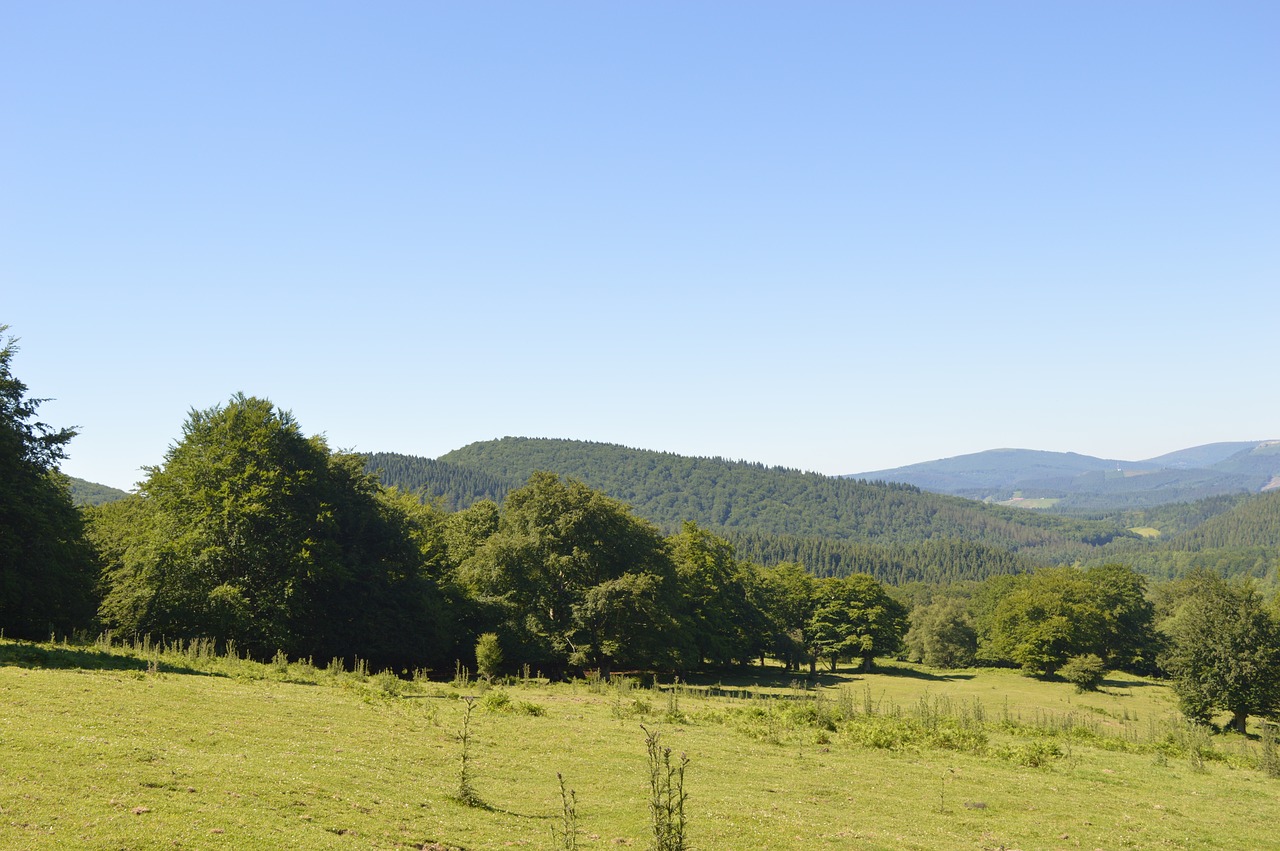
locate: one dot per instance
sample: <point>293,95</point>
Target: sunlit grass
<point>145,749</point>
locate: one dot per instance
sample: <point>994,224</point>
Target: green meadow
<point>139,747</point>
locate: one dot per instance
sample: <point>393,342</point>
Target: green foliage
<point>788,597</point>
<point>253,533</point>
<point>1040,620</point>
<point>1046,618</point>
<point>1085,672</point>
<point>722,621</point>
<point>721,495</point>
<point>1254,522</point>
<point>46,572</point>
<point>488,655</point>
<point>574,577</point>
<point>452,486</point>
<point>92,493</point>
<point>934,560</point>
<point>1224,649</point>
<point>942,635</point>
<point>855,618</point>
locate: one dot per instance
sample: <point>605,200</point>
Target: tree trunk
<point>1239,720</point>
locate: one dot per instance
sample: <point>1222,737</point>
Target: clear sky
<point>832,236</point>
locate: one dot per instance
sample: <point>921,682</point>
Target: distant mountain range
<point>1070,482</point>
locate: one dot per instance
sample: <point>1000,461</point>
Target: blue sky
<point>832,236</point>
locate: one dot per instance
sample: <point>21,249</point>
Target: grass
<point>1031,502</point>
<point>145,748</point>
<point>1146,531</point>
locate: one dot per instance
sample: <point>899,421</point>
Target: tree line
<point>256,535</point>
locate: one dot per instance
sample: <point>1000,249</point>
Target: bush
<point>1084,672</point>
<point>488,655</point>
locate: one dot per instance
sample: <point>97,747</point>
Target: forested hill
<point>92,493</point>
<point>1252,522</point>
<point>454,485</point>
<point>746,497</point>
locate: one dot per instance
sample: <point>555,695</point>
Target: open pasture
<point>111,748</point>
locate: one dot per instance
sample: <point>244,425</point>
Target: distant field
<point>1037,502</point>
<point>1146,531</point>
<point>145,751</point>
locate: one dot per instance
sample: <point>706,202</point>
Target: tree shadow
<point>917,674</point>
<point>20,654</point>
<point>1123,685</point>
<point>481,804</point>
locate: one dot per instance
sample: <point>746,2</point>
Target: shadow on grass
<point>1122,685</point>
<point>480,804</point>
<point>746,679</point>
<point>754,678</point>
<point>20,654</point>
<point>886,670</point>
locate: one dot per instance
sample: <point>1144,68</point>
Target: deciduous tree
<point>1224,649</point>
<point>253,532</point>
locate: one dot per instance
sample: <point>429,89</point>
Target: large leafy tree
<point>1129,640</point>
<point>255,533</point>
<point>1224,649</point>
<point>942,634</point>
<point>46,575</point>
<point>788,595</point>
<point>720,615</point>
<point>855,619</point>
<point>1038,621</point>
<point>575,577</point>
<point>1045,619</point>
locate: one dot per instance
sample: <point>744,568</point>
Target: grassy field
<point>1031,502</point>
<point>111,748</point>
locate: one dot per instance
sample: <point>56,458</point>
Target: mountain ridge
<point>1076,482</point>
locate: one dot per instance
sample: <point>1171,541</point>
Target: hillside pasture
<point>107,747</point>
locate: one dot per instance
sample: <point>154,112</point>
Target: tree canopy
<point>253,532</point>
<point>1224,648</point>
<point>576,578</point>
<point>46,573</point>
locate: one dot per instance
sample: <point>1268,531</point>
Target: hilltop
<point>765,510</point>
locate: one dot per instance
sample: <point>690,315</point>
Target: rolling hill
<point>738,497</point>
<point>1074,483</point>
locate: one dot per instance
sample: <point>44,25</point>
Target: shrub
<point>488,655</point>
<point>1084,672</point>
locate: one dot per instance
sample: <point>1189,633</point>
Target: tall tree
<point>579,580</point>
<point>1129,640</point>
<point>1046,618</point>
<point>721,618</point>
<point>1224,649</point>
<point>855,619</point>
<point>253,532</point>
<point>46,573</point>
<point>788,596</point>
<point>942,634</point>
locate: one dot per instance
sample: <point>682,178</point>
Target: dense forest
<point>451,485</point>
<point>721,494</point>
<point>894,532</point>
